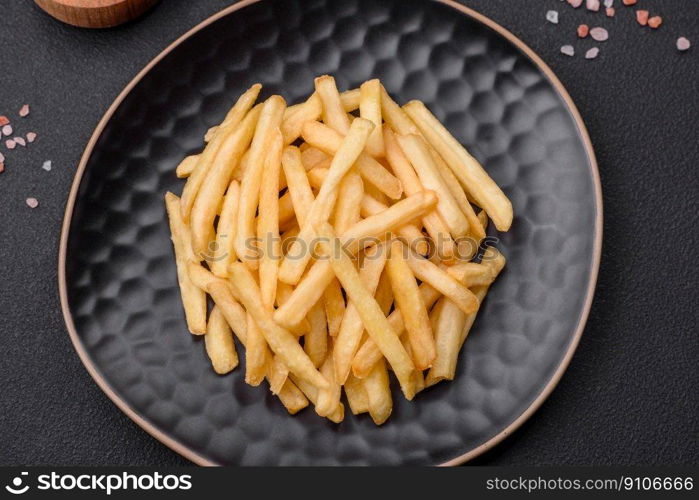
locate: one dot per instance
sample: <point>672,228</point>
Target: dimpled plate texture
<point>120,271</point>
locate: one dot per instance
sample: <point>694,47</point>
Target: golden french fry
<point>409,302</point>
<point>310,110</point>
<point>256,353</point>
<point>334,304</point>
<point>365,233</point>
<point>485,192</point>
<point>315,342</point>
<point>210,133</point>
<point>356,395</point>
<point>394,115</point>
<point>378,392</point>
<point>351,330</point>
<point>311,393</point>
<point>416,150</point>
<point>369,310</point>
<point>187,166</point>
<point>225,233</point>
<point>268,222</point>
<point>219,343</point>
<point>277,374</point>
<point>281,342</point>
<point>211,151</point>
<point>193,297</point>
<point>218,177</point>
<point>483,218</point>
<point>409,232</point>
<point>299,254</point>
<point>328,140</point>
<point>312,157</point>
<point>297,180</point>
<point>270,119</point>
<point>370,108</point>
<point>471,274</point>
<point>441,280</point>
<point>453,325</point>
<point>349,201</point>
<point>333,113</point>
<point>328,399</point>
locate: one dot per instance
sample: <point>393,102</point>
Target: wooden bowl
<point>95,13</point>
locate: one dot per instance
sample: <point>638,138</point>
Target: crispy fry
<point>256,353</point>
<point>268,222</point>
<point>295,262</point>
<point>333,113</point>
<point>328,399</point>
<point>356,395</point>
<point>193,298</point>
<point>370,108</point>
<point>409,302</point>
<point>310,110</point>
<point>380,402</point>
<point>187,166</point>
<point>369,310</point>
<point>312,157</point>
<point>299,189</point>
<point>315,342</point>
<point>219,343</point>
<point>417,151</point>
<point>270,119</point>
<point>486,193</point>
<point>277,374</point>
<point>280,340</point>
<point>211,152</point>
<point>328,140</point>
<point>410,233</point>
<point>311,393</point>
<point>349,201</point>
<point>225,232</point>
<point>334,304</point>
<point>394,115</point>
<point>218,177</point>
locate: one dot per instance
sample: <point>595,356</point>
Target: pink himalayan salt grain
<point>655,22</point>
<point>20,141</point>
<point>592,53</point>
<point>31,136</point>
<point>642,17</point>
<point>599,34</point>
<point>583,30</point>
<point>568,50</point>
<point>32,202</point>
<point>592,5</point>
<point>24,111</point>
<point>610,11</point>
<point>7,130</point>
<point>609,3</point>
<point>10,144</point>
<point>683,44</point>
<point>629,2</point>
<point>575,3</point>
<point>4,120</point>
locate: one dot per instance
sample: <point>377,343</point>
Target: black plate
<point>117,276</point>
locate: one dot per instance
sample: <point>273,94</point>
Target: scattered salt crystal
<point>609,3</point>
<point>683,44</point>
<point>32,202</point>
<point>10,144</point>
<point>610,11</point>
<point>552,16</point>
<point>575,3</point>
<point>7,130</point>
<point>568,50</point>
<point>31,136</point>
<point>642,17</point>
<point>599,34</point>
<point>20,141</point>
<point>592,53</point>
<point>655,22</point>
<point>629,2</point>
<point>583,30</point>
<point>47,165</point>
<point>2,158</point>
<point>592,5</point>
<point>24,111</point>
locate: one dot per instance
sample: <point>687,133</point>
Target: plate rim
<point>197,458</point>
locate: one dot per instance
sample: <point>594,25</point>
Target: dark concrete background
<point>630,395</point>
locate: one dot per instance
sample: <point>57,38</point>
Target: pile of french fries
<point>336,240</point>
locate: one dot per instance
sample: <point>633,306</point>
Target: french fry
<point>225,232</point>
<point>351,330</point>
<point>334,304</point>
<point>409,232</point>
<point>356,395</point>
<point>416,149</point>
<point>485,192</point>
<point>313,157</point>
<point>193,298</point>
<point>210,133</point>
<point>366,232</point>
<point>328,140</point>
<point>299,189</point>
<point>276,374</point>
<point>378,392</point>
<point>332,112</point>
<point>315,342</point>
<point>292,268</point>
<point>219,343</point>
<point>369,310</point>
<point>286,210</point>
<point>328,399</point>
<point>310,110</point>
<point>270,119</point>
<point>256,353</point>
<point>443,281</point>
<point>483,218</point>
<point>454,325</point>
<point>281,342</point>
<point>311,393</point>
<point>218,177</point>
<point>241,110</point>
<point>349,200</point>
<point>187,166</point>
<point>394,115</point>
<point>370,108</point>
<point>268,222</point>
<point>409,302</point>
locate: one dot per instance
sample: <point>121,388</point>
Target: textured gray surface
<point>120,270</point>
